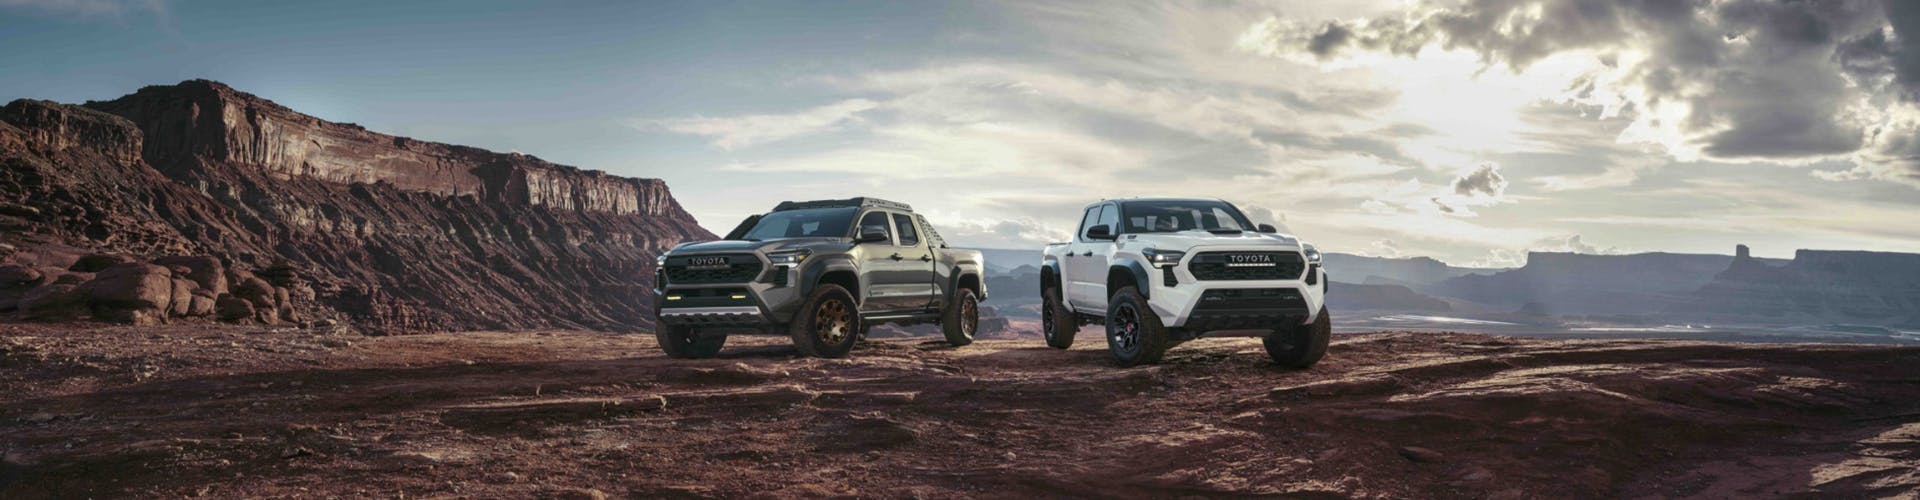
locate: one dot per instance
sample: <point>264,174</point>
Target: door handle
<point>1088,254</point>
<point>926,258</point>
<point>896,257</point>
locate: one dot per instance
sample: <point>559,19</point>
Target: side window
<point>1093,214</point>
<point>908,236</point>
<point>1110,215</point>
<point>876,220</point>
<point>933,236</point>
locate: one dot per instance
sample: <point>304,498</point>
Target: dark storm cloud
<point>1758,79</point>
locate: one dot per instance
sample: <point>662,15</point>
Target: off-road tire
<point>1300,346</point>
<point>1134,333</point>
<point>1057,323</point>
<point>835,304</point>
<point>961,320</point>
<point>684,342</point>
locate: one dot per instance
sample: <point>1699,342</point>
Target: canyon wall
<point>388,232</point>
<point>1817,286</point>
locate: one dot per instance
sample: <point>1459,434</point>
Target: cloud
<point>742,131</point>
<point>1732,80</point>
<point>1011,233</point>
<point>1569,243</point>
<point>1383,248</point>
<point>92,8</point>
<point>1483,181</point>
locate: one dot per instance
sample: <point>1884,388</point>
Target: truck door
<point>877,265</point>
<point>1086,262</point>
<point>917,264</point>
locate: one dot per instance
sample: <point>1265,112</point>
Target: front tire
<point>1134,333</point>
<point>961,319</point>
<point>1300,346</point>
<point>684,342</point>
<point>828,324</point>
<point>1057,323</point>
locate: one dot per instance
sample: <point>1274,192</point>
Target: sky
<point>1472,131</point>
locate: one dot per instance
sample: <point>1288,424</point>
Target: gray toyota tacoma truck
<point>821,272</point>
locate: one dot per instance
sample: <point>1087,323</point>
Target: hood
<point>1188,239</point>
<point>737,246</point>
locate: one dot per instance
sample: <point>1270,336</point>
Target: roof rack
<point>846,203</point>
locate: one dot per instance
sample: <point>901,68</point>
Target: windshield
<point>1185,215</point>
<point>809,223</point>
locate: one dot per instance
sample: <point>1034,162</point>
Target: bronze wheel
<point>832,322</point>
<point>828,324</point>
<point>961,320</point>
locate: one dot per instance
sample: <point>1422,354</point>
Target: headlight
<point>660,261</point>
<point>787,258</point>
<point>1313,254</point>
<point>1162,258</point>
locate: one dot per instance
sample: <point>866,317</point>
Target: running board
<point>921,316</point>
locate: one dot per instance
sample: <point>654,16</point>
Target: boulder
<point>133,286</point>
<point>182,297</point>
<point>200,304</point>
<point>98,262</point>
<point>253,289</point>
<point>52,301</point>
<point>231,308</point>
<point>72,278</point>
<point>204,270</point>
<point>17,277</point>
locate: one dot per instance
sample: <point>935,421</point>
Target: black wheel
<point>1134,333</point>
<point>685,342</point>
<point>1300,346</point>
<point>1056,322</point>
<point>828,324</point>
<point>961,319</point>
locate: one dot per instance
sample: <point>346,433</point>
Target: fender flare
<point>1142,280</point>
<point>1049,266</point>
<point>953,282</point>
<point>810,274</point>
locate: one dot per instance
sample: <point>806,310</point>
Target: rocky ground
<point>232,411</point>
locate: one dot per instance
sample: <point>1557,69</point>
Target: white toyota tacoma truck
<point>1159,271</point>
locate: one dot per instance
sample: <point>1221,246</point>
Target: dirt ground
<point>212,411</point>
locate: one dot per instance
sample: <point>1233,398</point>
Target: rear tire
<point>684,342</point>
<point>1134,333</point>
<point>961,319</point>
<point>828,324</point>
<point>1057,323</point>
<point>1300,346</point>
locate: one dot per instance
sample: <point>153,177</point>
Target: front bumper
<point>764,301</point>
<point>1199,305</point>
<point>713,316</point>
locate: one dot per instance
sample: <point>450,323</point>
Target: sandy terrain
<point>98,411</point>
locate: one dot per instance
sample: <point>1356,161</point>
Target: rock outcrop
<point>1880,288</point>
<point>1568,283</point>
<point>232,197</point>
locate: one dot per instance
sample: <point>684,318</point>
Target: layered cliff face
<point>1568,283</point>
<point>1881,288</point>
<point>388,232</point>
<point>1413,271</point>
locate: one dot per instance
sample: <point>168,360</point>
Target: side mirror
<point>1268,228</point>
<point>1100,232</point>
<point>870,234</point>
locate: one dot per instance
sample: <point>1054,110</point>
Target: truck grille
<point>700,269</point>
<point>1231,266</point>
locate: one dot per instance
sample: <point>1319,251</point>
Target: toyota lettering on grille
<point>1250,260</point>
<point>707,262</point>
